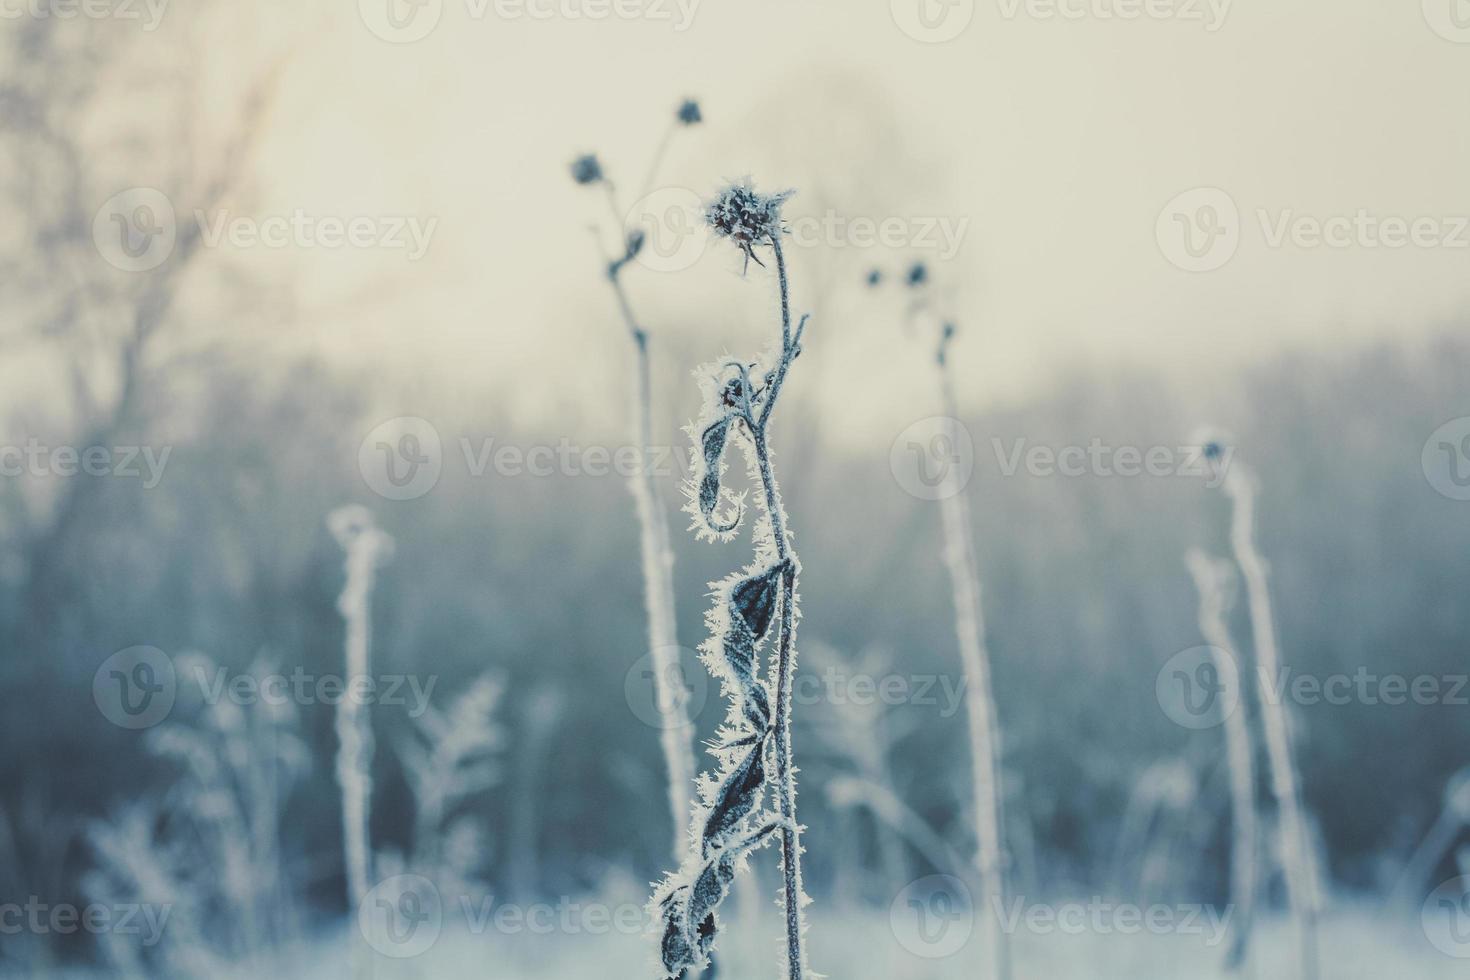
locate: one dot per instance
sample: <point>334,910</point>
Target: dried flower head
<point>1214,443</point>
<point>689,113</point>
<point>586,169</point>
<point>745,216</point>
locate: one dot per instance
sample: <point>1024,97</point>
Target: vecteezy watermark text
<point>137,229</point>
<point>403,916</point>
<point>1201,229</point>
<point>148,13</point>
<point>1103,460</point>
<point>143,919</point>
<point>1202,686</point>
<point>302,688</point>
<point>35,458</point>
<point>406,21</point>
<point>934,917</point>
<point>404,457</point>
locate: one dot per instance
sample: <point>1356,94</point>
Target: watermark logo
<point>38,459</point>
<point>135,229</point>
<point>1210,13</point>
<point>933,458</point>
<point>1199,688</point>
<point>135,688</point>
<point>1450,19</point>
<point>401,916</point>
<point>1103,460</point>
<point>40,918</point>
<point>406,21</point>
<point>668,694</point>
<point>1199,230</point>
<point>149,13</point>
<point>944,692</point>
<point>1445,917</point>
<point>933,917</point>
<point>400,21</point>
<point>671,221</point>
<point>1100,917</point>
<point>1202,686</point>
<point>401,459</point>
<point>932,21</point>
<point>1445,459</point>
<point>410,691</point>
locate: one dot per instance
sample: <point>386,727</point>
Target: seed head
<point>689,113</point>
<point>745,216</point>
<point>586,169</point>
<point>1212,442</point>
<point>918,274</point>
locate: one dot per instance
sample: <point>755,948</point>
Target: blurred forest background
<point>535,579</point>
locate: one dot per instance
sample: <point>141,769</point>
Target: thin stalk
<point>354,726</point>
<point>792,893</point>
<point>964,575</point>
<point>1295,846</point>
<point>658,156</point>
<point>676,733</point>
<point>1212,580</point>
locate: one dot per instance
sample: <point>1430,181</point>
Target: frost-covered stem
<point>792,892</point>
<point>1211,579</point>
<point>1296,849</point>
<point>365,547</point>
<point>964,575</point>
<point>676,734</point>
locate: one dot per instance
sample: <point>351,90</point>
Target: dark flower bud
<point>586,169</point>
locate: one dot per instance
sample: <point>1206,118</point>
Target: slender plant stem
<point>964,574</point>
<point>1210,579</point>
<point>658,156</point>
<point>354,728</point>
<point>792,893</point>
<point>676,733</point>
<point>1295,845</point>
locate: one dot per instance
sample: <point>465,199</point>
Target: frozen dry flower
<point>586,169</point>
<point>753,747</point>
<point>746,217</point>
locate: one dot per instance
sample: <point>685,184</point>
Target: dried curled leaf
<point>754,599</point>
<point>736,799</point>
<point>712,443</point>
<point>687,902</point>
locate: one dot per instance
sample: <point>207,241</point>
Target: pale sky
<point>1053,143</point>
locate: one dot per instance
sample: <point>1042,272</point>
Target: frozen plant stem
<point>1213,580</point>
<point>367,548</point>
<point>964,576</point>
<point>753,747</point>
<point>676,733</point>
<point>1296,850</point>
<point>785,648</point>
